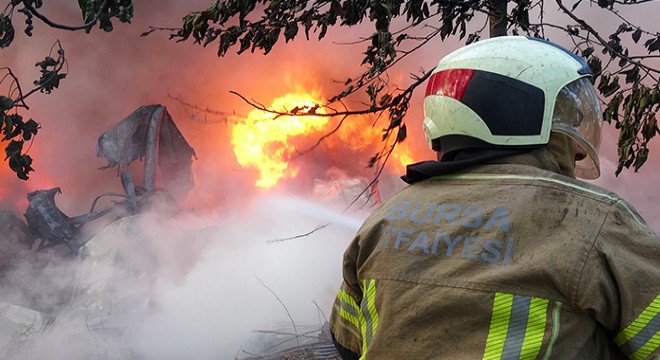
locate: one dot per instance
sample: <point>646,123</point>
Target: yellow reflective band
<point>538,309</point>
<point>642,337</point>
<point>499,326</point>
<point>517,327</point>
<point>368,314</point>
<point>348,308</point>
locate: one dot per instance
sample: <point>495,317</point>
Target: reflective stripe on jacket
<point>501,262</point>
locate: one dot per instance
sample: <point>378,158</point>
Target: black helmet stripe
<point>509,107</point>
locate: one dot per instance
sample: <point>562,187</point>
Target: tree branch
<point>600,39</point>
<point>301,235</point>
<point>52,24</point>
<point>17,84</point>
<point>295,329</point>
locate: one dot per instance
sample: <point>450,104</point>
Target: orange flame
<point>265,142</point>
<point>261,140</point>
<point>402,156</point>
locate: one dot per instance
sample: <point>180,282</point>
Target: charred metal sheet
<point>46,221</point>
<point>175,157</point>
<point>135,138</point>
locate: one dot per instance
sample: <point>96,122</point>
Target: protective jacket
<point>501,261</point>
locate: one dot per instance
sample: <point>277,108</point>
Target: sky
<point>112,74</point>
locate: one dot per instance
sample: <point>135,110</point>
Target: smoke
<point>228,308</point>
<point>198,287</point>
<point>638,188</point>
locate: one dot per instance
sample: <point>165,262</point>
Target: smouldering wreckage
<point>49,237</point>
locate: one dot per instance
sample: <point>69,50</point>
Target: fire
<point>402,156</point>
<point>261,140</point>
<point>268,142</point>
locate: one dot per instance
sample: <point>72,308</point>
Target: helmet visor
<point>577,113</point>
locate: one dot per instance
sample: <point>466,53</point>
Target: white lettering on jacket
<point>458,231</point>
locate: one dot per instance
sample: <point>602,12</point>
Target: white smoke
<point>199,288</point>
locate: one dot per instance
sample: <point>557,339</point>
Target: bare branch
<point>15,83</point>
<point>226,116</point>
<point>295,329</point>
<point>301,235</point>
<point>264,108</point>
<point>601,40</point>
<point>632,2</point>
<point>320,310</point>
<point>321,139</point>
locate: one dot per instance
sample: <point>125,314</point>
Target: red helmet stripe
<point>451,83</point>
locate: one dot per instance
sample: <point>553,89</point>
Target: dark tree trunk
<point>497,17</point>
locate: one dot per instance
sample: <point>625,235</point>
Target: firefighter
<point>496,251</point>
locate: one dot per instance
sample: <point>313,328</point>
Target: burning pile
<point>91,290</point>
<point>324,152</point>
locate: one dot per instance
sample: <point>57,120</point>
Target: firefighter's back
<point>502,262</point>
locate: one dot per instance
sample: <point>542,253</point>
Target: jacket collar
<point>557,156</point>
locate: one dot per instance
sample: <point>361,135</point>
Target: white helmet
<point>512,91</point>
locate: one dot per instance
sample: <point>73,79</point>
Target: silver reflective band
<point>605,195</point>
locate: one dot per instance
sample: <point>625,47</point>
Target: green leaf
<point>636,35</point>
<point>246,41</point>
<point>6,31</point>
<point>20,163</point>
<point>88,8</point>
<point>577,3</point>
<point>472,38</point>
<point>632,75</point>
<point>8,127</point>
<point>446,28</point>
<point>402,134</point>
<point>6,103</point>
<point>30,128</point>
<point>595,65</point>
<point>290,31</point>
<point>650,126</point>
<point>395,121</point>
<point>652,44</point>
<point>13,148</point>
<point>47,62</point>
<point>641,157</point>
<point>372,161</point>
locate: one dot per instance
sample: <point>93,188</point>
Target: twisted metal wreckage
<point>49,236</point>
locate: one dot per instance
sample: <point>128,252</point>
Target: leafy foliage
<point>6,31</point>
<point>14,129</point>
<point>630,86</point>
<point>104,11</point>
<point>626,75</point>
<point>258,25</point>
<point>12,126</point>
